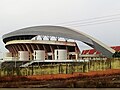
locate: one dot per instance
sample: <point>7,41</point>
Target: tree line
<point>116,54</point>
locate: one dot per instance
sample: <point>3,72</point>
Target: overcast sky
<point>16,14</point>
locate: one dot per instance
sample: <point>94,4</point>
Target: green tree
<point>116,54</point>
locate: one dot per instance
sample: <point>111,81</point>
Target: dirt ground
<point>94,79</point>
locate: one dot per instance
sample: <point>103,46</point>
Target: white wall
<point>23,55</point>
<point>60,54</point>
<point>39,55</point>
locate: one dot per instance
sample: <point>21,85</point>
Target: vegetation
<point>116,54</point>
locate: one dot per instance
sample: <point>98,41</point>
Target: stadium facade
<point>22,40</point>
<point>52,50</point>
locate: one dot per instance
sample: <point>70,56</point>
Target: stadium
<point>29,49</point>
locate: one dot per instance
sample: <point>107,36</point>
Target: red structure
<point>93,51</point>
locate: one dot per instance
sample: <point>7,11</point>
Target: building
<point>21,40</point>
<point>28,48</point>
<point>92,53</point>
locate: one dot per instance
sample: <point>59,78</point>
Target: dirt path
<point>108,78</point>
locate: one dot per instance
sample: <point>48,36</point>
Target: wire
<point>107,16</point>
<point>95,21</point>
<point>92,21</point>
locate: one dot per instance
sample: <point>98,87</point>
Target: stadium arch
<point>58,31</point>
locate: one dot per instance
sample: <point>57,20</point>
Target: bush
<point>116,54</point>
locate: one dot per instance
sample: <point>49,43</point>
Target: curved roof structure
<point>58,31</point>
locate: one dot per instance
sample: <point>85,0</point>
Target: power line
<point>92,20</point>
<point>96,23</point>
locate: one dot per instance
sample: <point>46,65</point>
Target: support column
<point>45,51</point>
<point>19,48</point>
<point>57,38</point>
<point>23,48</point>
<point>67,52</point>
<point>42,37</point>
<point>49,37</point>
<point>52,50</point>
<point>38,47</point>
<point>29,51</point>
<point>77,52</point>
